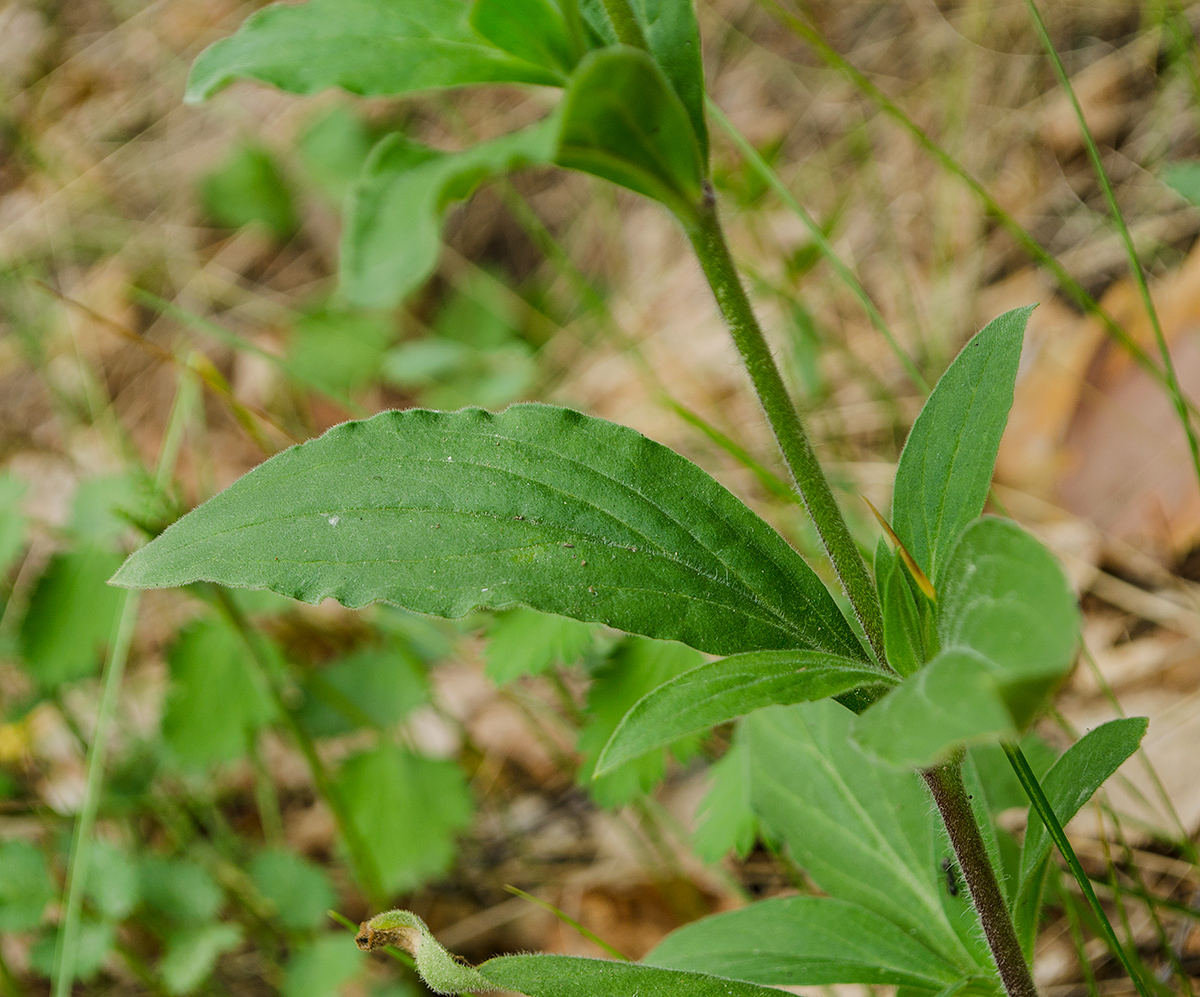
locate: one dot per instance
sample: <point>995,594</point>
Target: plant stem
<point>708,241</point>
<point>625,23</point>
<point>945,782</point>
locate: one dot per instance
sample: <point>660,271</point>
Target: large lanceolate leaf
<point>443,512</point>
<point>369,47</point>
<point>622,121</point>
<point>1007,625</point>
<point>674,39</point>
<point>394,214</point>
<point>798,941</point>
<point>946,467</point>
<point>723,690</point>
<point>862,829</point>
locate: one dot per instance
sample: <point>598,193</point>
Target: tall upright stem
<point>945,782</point>
<point>708,240</point>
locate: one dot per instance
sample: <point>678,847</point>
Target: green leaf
<point>723,690</point>
<point>540,506</point>
<point>96,509</point>
<point>1074,779</point>
<point>395,210</point>
<point>25,886</point>
<point>248,188</point>
<point>338,351</point>
<point>1008,625</point>
<point>70,616</point>
<point>192,955</point>
<point>622,121</point>
<point>374,686</point>
<point>368,47</point>
<point>214,709</point>
<point>92,945</point>
<point>320,969</point>
<point>946,466</point>
<point>407,808</point>
<point>112,880</point>
<point>12,521</point>
<point>796,941</point>
<point>862,829</point>
<point>525,642</point>
<point>635,666</point>
<point>674,39</point>
<point>1184,179</point>
<point>298,889</point>
<point>903,630</point>
<point>333,149</point>
<point>180,892</point>
<point>725,818</point>
<point>531,30</point>
<point>572,976</point>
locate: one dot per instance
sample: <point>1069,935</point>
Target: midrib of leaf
<point>898,865</point>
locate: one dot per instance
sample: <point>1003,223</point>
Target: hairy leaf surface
<point>946,466</point>
<point>368,47</point>
<point>443,512</point>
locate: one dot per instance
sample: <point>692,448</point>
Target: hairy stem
<point>708,241</point>
<point>625,23</point>
<point>945,782</point>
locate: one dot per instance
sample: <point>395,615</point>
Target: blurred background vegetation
<point>169,318</point>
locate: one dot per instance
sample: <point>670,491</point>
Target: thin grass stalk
<point>1174,389</point>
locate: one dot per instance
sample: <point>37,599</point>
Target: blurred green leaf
<point>654,152</point>
<point>112,881</point>
<point>298,889</point>
<point>93,943</point>
<point>375,686</point>
<point>945,469</point>
<point>369,47</point>
<point>532,30</point>
<point>178,891</point>
<point>338,351</point>
<point>408,809</point>
<point>1184,179</point>
<point>635,667</point>
<point>246,188</point>
<point>320,969</point>
<point>70,616</point>
<point>443,512</point>
<point>97,509</point>
<point>25,886</point>
<point>725,818</point>
<point>214,707</point>
<point>12,521</point>
<point>333,149</point>
<point>525,642</point>
<point>192,954</point>
<point>392,235</point>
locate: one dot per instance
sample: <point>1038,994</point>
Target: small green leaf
<point>192,955</point>
<point>180,892</point>
<point>394,215</point>
<point>333,149</point>
<point>903,631</point>
<point>25,886</point>
<point>214,708</point>
<point>112,881</point>
<point>723,690</point>
<point>374,686</point>
<point>1184,179</point>
<point>299,890</point>
<point>368,47</point>
<point>622,121</point>
<point>635,667</point>
<point>320,969</point>
<point>862,829</point>
<point>802,941</point>
<point>674,39</point>
<point>946,467</point>
<point>725,818</point>
<point>248,187</point>
<point>1074,779</point>
<point>572,976</point>
<point>70,616</point>
<point>531,30</point>
<point>407,808</point>
<point>93,943</point>
<point>539,506</point>
<point>338,351</point>
<point>525,642</point>
<point>439,970</point>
